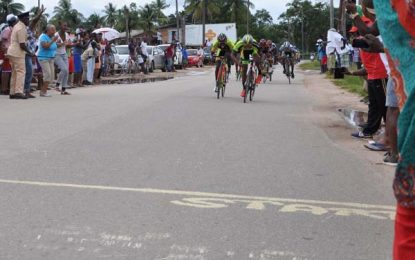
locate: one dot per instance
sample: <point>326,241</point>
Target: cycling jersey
<point>222,48</point>
<point>245,51</point>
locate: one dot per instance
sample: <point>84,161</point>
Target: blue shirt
<point>184,53</point>
<point>49,53</point>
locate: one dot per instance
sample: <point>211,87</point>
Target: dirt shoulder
<point>327,100</point>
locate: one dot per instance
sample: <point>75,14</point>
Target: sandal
<point>65,93</point>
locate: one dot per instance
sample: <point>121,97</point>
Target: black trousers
<point>377,108</point>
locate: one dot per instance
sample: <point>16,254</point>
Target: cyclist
<point>247,46</point>
<point>288,50</point>
<point>265,48</point>
<point>222,47</point>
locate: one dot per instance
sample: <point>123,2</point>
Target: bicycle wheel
<point>225,76</point>
<point>251,88</point>
<point>219,80</point>
<point>287,71</point>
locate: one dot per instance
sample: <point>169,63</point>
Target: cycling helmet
<point>222,37</point>
<point>269,43</point>
<point>287,44</point>
<point>248,39</point>
<point>262,42</point>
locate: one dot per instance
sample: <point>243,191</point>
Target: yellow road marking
<point>197,194</point>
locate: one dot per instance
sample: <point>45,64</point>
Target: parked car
<point>115,53</point>
<point>156,58</point>
<point>194,59</point>
<point>123,54</point>
<point>178,60</point>
<point>208,56</point>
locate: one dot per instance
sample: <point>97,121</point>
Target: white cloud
<point>87,7</point>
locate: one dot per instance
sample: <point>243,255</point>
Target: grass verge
<point>352,84</point>
<point>310,65</point>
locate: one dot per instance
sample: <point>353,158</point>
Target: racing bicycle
<point>222,77</point>
<point>251,75</point>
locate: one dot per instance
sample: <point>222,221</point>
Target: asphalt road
<point>165,171</point>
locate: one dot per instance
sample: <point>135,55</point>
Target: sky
<point>87,7</point>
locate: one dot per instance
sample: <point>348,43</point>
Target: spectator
<point>185,57</point>
<point>354,31</point>
<point>77,50</point>
<point>31,45</point>
<point>46,56</point>
<point>397,30</point>
<point>5,44</point>
<point>132,49</point>
<point>88,57</point>
<point>201,54</point>
<point>376,78</point>
<point>169,57</point>
<point>144,52</point>
<point>322,55</point>
<point>61,59</point>
<point>376,46</point>
<point>91,62</point>
<point>17,55</point>
<point>98,58</point>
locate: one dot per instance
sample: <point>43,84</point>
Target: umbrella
<point>108,33</point>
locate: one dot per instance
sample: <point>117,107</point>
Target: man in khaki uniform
<point>17,53</point>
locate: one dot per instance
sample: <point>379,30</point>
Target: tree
<point>263,17</point>
<point>110,16</point>
<point>158,6</point>
<point>64,12</point>
<point>95,21</point>
<point>312,18</point>
<point>127,18</point>
<point>147,17</point>
<point>196,7</point>
<point>9,7</point>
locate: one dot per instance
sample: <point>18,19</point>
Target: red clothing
<point>404,245</point>
<point>170,52</point>
<point>373,65</point>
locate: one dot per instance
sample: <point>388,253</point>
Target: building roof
<point>133,33</point>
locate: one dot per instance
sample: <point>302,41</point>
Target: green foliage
<point>110,14</point>
<point>313,16</point>
<point>64,12</point>
<point>352,84</point>
<point>9,7</point>
<point>310,65</point>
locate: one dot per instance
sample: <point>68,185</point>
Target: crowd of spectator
<point>28,55</point>
<point>382,49</point>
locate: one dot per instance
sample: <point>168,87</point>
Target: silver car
<point>156,58</point>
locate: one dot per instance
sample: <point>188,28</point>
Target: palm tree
<point>110,16</point>
<point>159,6</point>
<point>237,9</point>
<point>64,12</point>
<point>148,17</point>
<point>9,7</point>
<point>95,21</point>
<point>196,7</point>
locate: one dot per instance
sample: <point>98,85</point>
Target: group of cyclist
<point>246,49</point>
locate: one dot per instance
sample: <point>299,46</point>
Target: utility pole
<point>177,22</point>
<point>247,18</point>
<point>38,4</point>
<point>204,21</point>
<point>332,14</point>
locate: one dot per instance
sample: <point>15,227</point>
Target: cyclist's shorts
<point>288,54</point>
<point>245,56</point>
